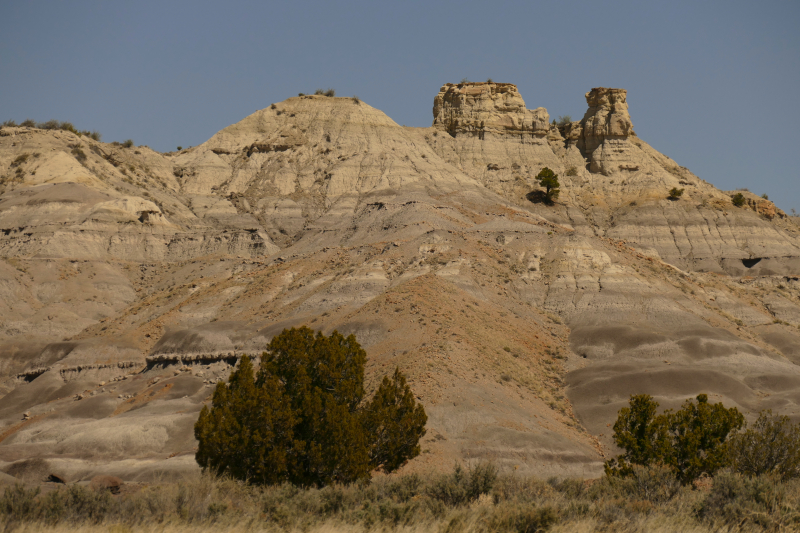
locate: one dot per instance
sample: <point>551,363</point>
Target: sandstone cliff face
<point>130,281</point>
<point>485,108</point>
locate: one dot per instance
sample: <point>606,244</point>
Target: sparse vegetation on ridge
<point>738,199</point>
<point>53,125</point>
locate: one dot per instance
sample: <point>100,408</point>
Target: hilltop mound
<point>132,280</point>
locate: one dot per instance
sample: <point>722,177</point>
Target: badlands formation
<point>131,280</point>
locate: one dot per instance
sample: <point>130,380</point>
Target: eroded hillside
<point>131,279</point>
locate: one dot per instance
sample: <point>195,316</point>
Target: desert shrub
<point>656,483</point>
<point>641,433</point>
<point>770,446</point>
<point>75,502</point>
<point>79,154</point>
<point>19,160</point>
<point>698,432</point>
<point>128,143</point>
<point>549,180</point>
<point>523,518</point>
<point>743,502</point>
<point>394,423</point>
<point>675,193</point>
<point>10,123</point>
<point>180,148</point>
<point>19,504</point>
<point>738,199</point>
<point>49,125</point>
<point>301,94</point>
<point>572,171</point>
<point>28,123</point>
<point>690,440</point>
<point>765,196</point>
<point>303,418</point>
<point>356,99</point>
<point>319,92</point>
<point>463,486</point>
<point>564,120</point>
<point>330,92</point>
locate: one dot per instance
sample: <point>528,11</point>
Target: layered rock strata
<point>522,327</point>
<point>485,108</point>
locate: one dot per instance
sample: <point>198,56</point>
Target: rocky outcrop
<point>486,108</point>
<point>602,134</point>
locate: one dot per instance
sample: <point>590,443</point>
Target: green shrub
<point>319,92</point>
<point>128,143</point>
<point>330,92</point>
<point>302,418</point>
<point>675,193</point>
<point>690,440</point>
<point>572,171</point>
<point>180,148</point>
<point>765,196</point>
<point>698,432</point>
<point>770,446</point>
<point>738,199</point>
<point>10,123</point>
<point>28,123</point>
<point>549,180</point>
<point>564,120</point>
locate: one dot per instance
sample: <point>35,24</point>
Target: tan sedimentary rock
<point>605,129</point>
<point>517,323</point>
<point>486,108</point>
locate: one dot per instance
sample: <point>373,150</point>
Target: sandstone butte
<point>131,280</point>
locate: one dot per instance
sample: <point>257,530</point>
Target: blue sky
<point>714,85</point>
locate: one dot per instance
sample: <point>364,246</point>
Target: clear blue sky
<point>714,85</point>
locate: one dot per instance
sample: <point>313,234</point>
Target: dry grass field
<point>472,499</point>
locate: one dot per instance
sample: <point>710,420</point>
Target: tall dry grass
<point>466,500</point>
